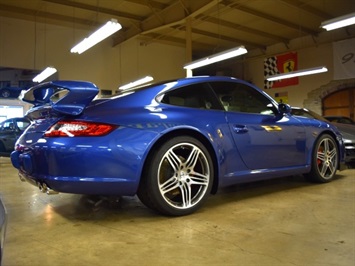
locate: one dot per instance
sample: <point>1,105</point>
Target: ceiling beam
<point>154,37</point>
<point>96,9</point>
<point>144,29</point>
<point>307,8</point>
<point>34,15</point>
<point>243,28</point>
<point>150,4</point>
<point>228,38</point>
<point>182,20</point>
<point>197,47</point>
<point>261,15</point>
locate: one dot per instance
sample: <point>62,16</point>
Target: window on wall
<point>26,84</point>
<point>19,77</point>
<point>5,83</point>
<point>10,111</point>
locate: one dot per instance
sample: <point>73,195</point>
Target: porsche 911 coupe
<point>171,143</point>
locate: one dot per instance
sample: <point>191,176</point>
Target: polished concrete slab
<point>285,221</point>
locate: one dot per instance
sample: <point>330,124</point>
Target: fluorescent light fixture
<point>136,83</point>
<point>339,22</point>
<point>298,73</point>
<point>102,33</point>
<point>49,71</point>
<point>216,58</point>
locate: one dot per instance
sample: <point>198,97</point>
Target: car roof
<point>16,118</point>
<point>180,82</point>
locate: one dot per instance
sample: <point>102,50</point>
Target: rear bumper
<point>43,187</point>
<point>81,185</point>
<point>92,185</point>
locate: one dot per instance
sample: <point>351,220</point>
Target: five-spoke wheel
<point>178,177</point>
<point>325,160</point>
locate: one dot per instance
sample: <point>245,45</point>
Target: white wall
<point>307,58</point>
<point>31,45</point>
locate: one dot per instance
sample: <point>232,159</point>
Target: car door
<point>264,137</point>
<point>8,134</point>
<point>10,131</point>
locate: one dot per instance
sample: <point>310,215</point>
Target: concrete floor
<point>285,221</point>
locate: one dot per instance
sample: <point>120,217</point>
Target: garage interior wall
<point>321,55</point>
<point>36,45</point>
<point>30,45</point>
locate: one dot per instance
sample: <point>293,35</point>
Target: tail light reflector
<point>79,129</point>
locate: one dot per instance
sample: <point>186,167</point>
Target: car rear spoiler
<point>66,97</point>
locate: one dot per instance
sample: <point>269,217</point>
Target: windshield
<point>308,113</point>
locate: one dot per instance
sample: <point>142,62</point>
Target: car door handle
<point>240,128</point>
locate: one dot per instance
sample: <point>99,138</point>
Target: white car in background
<point>346,129</point>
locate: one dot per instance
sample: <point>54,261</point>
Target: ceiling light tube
<point>49,71</point>
<point>339,22</point>
<point>216,58</point>
<point>136,83</point>
<point>297,73</point>
<point>102,33</point>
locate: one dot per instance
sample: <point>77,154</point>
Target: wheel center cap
<point>183,176</point>
<point>327,159</point>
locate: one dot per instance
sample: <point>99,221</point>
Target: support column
<point>188,55</point>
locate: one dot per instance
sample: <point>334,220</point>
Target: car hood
<point>348,131</point>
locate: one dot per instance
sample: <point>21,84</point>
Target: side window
<point>22,124</point>
<point>7,126</point>
<point>238,97</point>
<point>195,96</point>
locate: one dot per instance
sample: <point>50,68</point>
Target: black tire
<point>325,160</point>
<point>177,178</point>
<point>5,93</point>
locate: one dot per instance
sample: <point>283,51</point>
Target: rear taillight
<point>78,129</point>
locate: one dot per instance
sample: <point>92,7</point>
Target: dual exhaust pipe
<point>41,185</point>
<point>45,189</point>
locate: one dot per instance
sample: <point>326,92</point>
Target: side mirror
<point>284,108</point>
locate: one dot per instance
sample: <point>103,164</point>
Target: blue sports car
<point>171,143</point>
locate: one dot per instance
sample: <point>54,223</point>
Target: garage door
<point>340,103</point>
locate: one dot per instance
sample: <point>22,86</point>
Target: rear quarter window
<point>198,96</point>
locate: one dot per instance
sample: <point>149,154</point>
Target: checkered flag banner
<point>270,68</point>
<point>277,65</point>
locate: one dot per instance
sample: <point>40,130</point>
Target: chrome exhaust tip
<point>45,189</point>
<point>51,192</point>
<point>40,187</point>
<point>22,178</point>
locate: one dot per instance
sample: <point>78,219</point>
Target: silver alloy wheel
<point>183,175</point>
<point>327,158</point>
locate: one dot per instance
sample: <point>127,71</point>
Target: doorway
<point>340,103</point>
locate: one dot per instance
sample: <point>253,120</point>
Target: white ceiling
<point>216,25</point>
